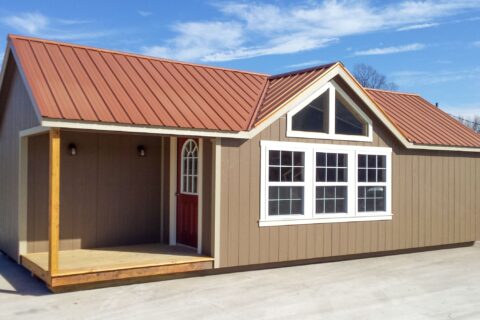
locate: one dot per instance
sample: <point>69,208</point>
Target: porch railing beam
<point>54,201</point>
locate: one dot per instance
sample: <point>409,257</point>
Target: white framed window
<point>329,113</point>
<point>189,167</point>
<point>322,183</point>
<point>371,182</point>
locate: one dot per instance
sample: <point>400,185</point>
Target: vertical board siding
<point>108,194</point>
<point>17,113</point>
<point>435,201</point>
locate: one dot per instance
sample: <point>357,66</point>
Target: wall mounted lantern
<point>141,151</point>
<point>72,147</point>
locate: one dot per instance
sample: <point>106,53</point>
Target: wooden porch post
<point>54,201</point>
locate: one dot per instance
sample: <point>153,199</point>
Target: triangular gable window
<point>314,117</point>
<point>346,121</point>
<point>329,114</point>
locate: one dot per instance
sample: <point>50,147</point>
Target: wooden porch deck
<point>99,265</point>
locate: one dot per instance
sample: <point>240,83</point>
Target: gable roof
<point>80,83</point>
<point>421,122</point>
<point>84,85</point>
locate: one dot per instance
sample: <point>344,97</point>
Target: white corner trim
<point>217,165</point>
<point>269,223</point>
<point>22,195</point>
<point>200,196</point>
<point>173,191</point>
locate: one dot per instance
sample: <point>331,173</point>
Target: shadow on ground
<point>16,280</point>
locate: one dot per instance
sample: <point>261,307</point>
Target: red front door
<point>187,191</point>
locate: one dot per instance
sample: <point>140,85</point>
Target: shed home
<point>116,166</point>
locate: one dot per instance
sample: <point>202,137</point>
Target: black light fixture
<point>72,147</point>
<point>141,151</point>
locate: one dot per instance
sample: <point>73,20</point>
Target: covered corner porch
<point>109,216</point>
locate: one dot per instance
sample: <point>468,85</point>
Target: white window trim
<point>182,170</point>
<point>310,217</point>
<point>350,187</point>
<point>334,89</point>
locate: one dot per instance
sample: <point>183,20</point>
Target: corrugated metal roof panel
<point>81,83</point>
<point>421,122</point>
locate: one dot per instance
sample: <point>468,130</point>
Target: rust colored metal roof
<point>421,122</point>
<point>281,88</point>
<point>78,83</point>
<point>74,82</point>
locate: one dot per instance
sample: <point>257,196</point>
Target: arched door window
<point>189,167</point>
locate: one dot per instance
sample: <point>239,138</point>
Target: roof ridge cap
<point>285,74</point>
<point>138,55</point>
<point>259,103</point>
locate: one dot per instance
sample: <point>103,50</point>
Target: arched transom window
<point>189,167</point>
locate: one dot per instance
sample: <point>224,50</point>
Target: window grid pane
<point>331,199</point>
<point>331,167</point>
<point>372,168</point>
<point>371,198</point>
<point>285,200</point>
<point>189,167</point>
<point>286,166</point>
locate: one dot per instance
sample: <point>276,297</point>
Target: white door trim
<point>173,191</point>
<point>200,196</point>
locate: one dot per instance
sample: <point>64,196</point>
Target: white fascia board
<point>33,131</point>
<point>112,127</point>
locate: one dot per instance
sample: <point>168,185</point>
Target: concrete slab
<point>442,284</point>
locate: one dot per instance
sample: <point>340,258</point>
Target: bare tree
<point>472,122</point>
<point>369,77</point>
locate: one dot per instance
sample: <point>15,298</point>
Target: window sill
<point>287,222</point>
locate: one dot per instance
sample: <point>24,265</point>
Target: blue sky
<point>428,47</point>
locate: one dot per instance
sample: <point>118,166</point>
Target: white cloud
<point>39,25</point>
<point>144,13</point>
<point>466,111</point>
<point>415,78</point>
<point>305,64</point>
<point>390,50</point>
<point>27,22</point>
<point>476,44</point>
<point>418,26</point>
<point>266,29</point>
<point>72,21</point>
<point>199,39</point>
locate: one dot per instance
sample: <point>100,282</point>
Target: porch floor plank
<point>82,261</point>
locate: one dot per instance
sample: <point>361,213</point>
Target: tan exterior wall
<point>108,195</point>
<point>16,113</point>
<point>436,200</point>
